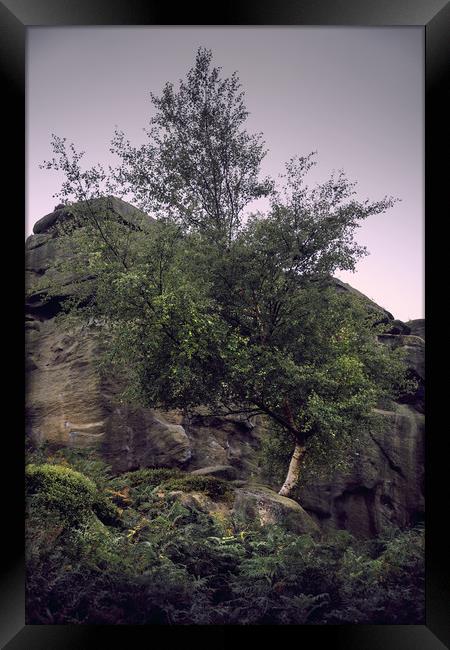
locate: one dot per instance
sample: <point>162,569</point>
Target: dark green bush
<point>137,486</point>
<point>213,487</point>
<point>59,488</point>
<point>85,461</point>
<point>106,511</point>
<point>163,563</point>
<point>151,477</point>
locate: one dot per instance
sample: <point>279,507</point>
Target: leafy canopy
<point>204,307</point>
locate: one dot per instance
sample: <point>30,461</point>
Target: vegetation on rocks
<point>237,313</point>
<point>210,306</point>
<point>71,494</point>
<point>163,563</point>
<point>213,487</point>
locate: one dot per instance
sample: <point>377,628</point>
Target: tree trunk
<point>293,471</point>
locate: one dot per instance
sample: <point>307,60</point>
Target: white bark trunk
<point>293,471</point>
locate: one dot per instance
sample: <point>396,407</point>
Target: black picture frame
<point>15,17</point>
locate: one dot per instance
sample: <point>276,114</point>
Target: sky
<point>355,95</point>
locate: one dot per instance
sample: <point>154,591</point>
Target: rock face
<point>383,487</point>
<point>417,327</point>
<point>67,403</point>
<point>225,472</point>
<point>140,438</point>
<point>44,248</point>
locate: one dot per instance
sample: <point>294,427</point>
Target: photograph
<point>225,325</point>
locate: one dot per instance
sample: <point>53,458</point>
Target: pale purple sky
<point>356,95</point>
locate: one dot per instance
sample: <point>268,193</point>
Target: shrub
<point>85,461</point>
<point>149,477</point>
<point>135,488</point>
<point>61,489</point>
<point>106,511</point>
<point>213,487</point>
<point>176,565</point>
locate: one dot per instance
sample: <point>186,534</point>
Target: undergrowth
<point>118,550</point>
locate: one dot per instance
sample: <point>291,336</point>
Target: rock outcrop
<point>260,504</point>
<point>247,506</point>
<point>383,486</point>
<point>67,403</point>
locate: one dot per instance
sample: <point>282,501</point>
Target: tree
<point>199,165</point>
<point>206,308</point>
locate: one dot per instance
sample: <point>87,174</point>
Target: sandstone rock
<point>238,483</point>
<point>225,441</point>
<point>417,327</point>
<point>414,347</point>
<point>343,287</point>
<point>135,438</point>
<point>260,504</point>
<point>226,472</point>
<point>193,500</point>
<point>46,247</point>
<point>398,327</point>
<point>67,403</point>
<point>383,487</point>
<point>63,213</point>
<point>63,391</point>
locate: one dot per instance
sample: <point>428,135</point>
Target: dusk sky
<point>354,95</point>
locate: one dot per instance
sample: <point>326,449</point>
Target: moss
<point>106,511</point>
<point>212,487</point>
<point>151,476</point>
<point>85,461</point>
<point>66,491</point>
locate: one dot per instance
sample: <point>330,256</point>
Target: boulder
<point>261,505</point>
<point>199,501</point>
<point>343,287</point>
<point>398,327</point>
<point>226,472</point>
<point>70,213</point>
<point>225,441</point>
<point>414,347</point>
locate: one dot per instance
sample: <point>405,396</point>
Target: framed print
<point>235,360</point>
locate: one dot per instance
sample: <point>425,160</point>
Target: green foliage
<point>107,512</point>
<point>140,484</point>
<point>392,581</point>
<point>274,455</point>
<point>203,307</point>
<point>148,477</point>
<point>168,564</point>
<point>213,487</point>
<point>85,461</point>
<point>54,487</point>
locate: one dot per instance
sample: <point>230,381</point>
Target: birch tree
<point>210,308</point>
